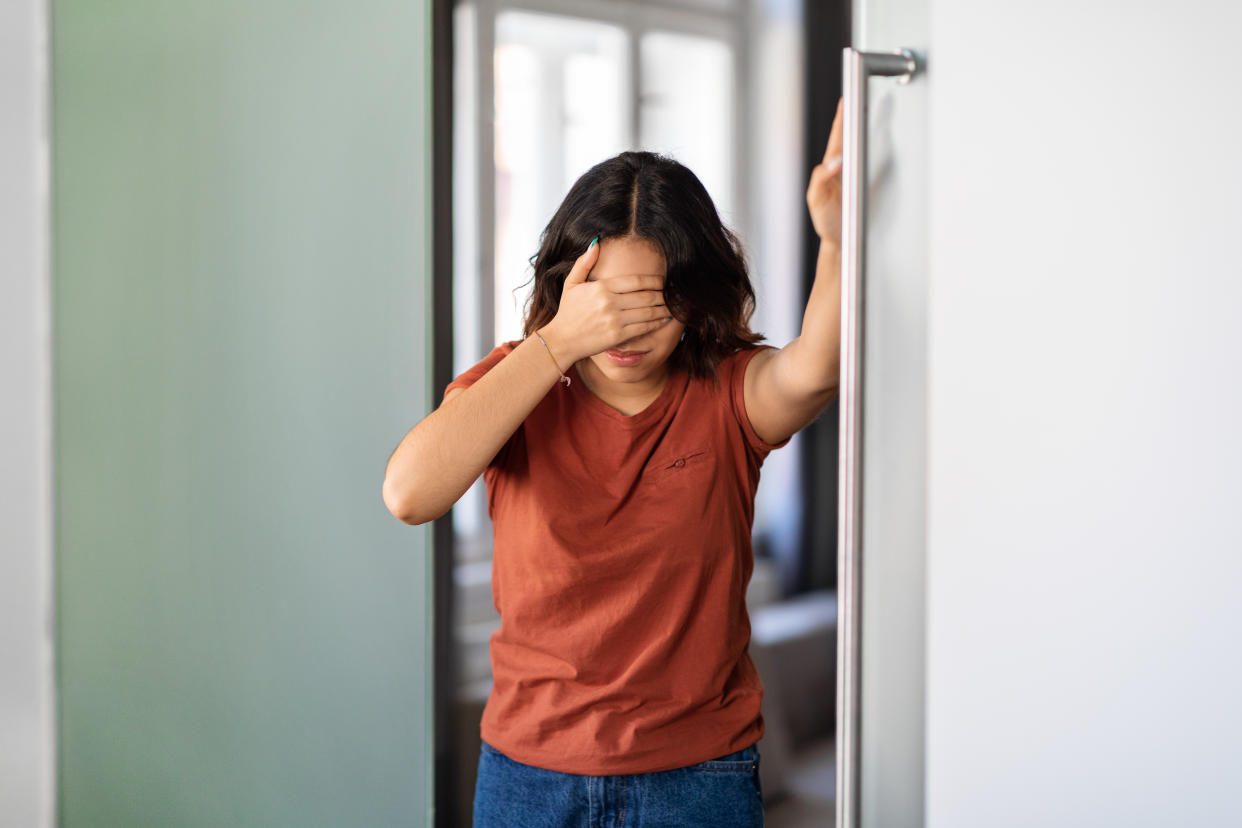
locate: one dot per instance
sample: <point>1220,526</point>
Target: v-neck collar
<point>672,387</point>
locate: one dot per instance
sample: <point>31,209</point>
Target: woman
<point>621,442</point>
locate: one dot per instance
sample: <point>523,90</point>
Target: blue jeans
<point>720,793</point>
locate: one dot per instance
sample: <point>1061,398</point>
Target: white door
<point>1052,369</point>
<point>881,747</point>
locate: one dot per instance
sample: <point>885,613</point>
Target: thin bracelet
<point>563,378</point>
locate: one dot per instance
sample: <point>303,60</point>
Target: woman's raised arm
<point>786,390</point>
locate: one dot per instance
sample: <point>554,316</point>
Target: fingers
<point>631,282</point>
<point>825,176</point>
<point>642,299</point>
<point>645,314</point>
<point>834,137</point>
<point>634,330</point>
<point>583,264</point>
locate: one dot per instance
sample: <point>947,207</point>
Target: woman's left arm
<point>787,389</point>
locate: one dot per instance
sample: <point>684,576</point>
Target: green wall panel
<point>240,260</point>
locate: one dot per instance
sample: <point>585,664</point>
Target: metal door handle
<point>857,67</point>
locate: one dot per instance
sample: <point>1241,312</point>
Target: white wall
<point>1085,545</point>
<point>27,703</point>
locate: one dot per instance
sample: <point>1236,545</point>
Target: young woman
<point>621,441</point>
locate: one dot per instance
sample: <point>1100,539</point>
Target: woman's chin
<point>627,369</point>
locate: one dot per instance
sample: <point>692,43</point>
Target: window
<point>562,92</point>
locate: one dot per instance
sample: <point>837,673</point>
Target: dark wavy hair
<point>651,196</point>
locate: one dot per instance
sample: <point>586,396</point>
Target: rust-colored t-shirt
<point>621,555</point>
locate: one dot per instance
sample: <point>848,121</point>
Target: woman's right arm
<point>442,456</point>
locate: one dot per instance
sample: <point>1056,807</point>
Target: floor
<point>811,802</point>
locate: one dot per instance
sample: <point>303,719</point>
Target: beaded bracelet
<point>563,378</point>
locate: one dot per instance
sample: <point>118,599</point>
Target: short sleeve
<point>736,377</point>
<point>468,377</point>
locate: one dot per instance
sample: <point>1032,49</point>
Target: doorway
<point>513,131</point>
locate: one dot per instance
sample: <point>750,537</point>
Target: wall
<point>1085,457</point>
<point>27,700</point>
<point>240,289</point>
